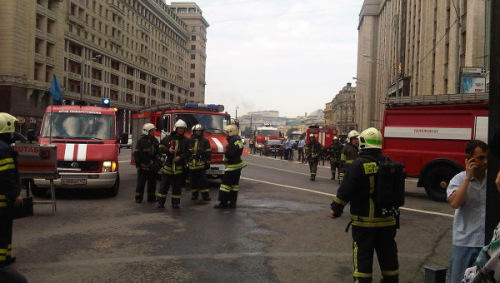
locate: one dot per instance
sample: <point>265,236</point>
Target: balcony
<point>74,76</point>
<point>76,20</point>
<point>117,41</point>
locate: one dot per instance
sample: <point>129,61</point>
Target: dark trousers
<point>313,167</point>
<point>229,188</point>
<point>301,157</point>
<point>168,180</point>
<point>380,240</point>
<point>144,176</point>
<point>199,182</point>
<point>334,165</point>
<point>5,230</point>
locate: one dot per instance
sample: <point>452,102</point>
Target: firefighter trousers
<point>199,183</point>
<point>334,165</point>
<point>5,231</point>
<point>230,186</point>
<point>144,176</point>
<point>167,180</point>
<point>313,167</point>
<point>381,240</point>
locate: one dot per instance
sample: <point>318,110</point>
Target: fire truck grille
<point>83,165</point>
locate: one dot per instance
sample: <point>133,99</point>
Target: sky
<point>286,55</point>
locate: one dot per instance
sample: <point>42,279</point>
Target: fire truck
<point>265,133</point>
<point>324,135</point>
<point>211,116</point>
<point>428,134</point>
<point>87,148</point>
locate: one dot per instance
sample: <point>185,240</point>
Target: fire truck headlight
<point>108,166</point>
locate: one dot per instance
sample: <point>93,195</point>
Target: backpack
<point>389,192</point>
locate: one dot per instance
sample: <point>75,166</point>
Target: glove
<point>207,166</point>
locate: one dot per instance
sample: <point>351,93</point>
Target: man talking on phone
<point>467,195</point>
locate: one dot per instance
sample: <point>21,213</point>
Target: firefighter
<point>313,151</point>
<point>145,156</point>
<point>372,230</point>
<point>228,192</point>
<point>333,153</point>
<point>173,146</point>
<point>199,151</point>
<point>10,190</point>
<point>349,153</point>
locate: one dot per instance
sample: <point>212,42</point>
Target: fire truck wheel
<point>37,191</point>
<point>437,180</point>
<point>113,191</point>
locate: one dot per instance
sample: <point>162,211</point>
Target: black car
<point>273,147</point>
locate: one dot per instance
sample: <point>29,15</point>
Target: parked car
<point>273,147</point>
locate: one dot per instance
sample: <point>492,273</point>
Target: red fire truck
<point>428,134</point>
<point>265,133</point>
<point>87,148</point>
<point>324,135</point>
<point>211,116</point>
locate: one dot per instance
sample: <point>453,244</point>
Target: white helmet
<point>147,127</point>
<point>335,138</point>
<point>7,123</point>
<point>352,134</point>
<point>370,138</point>
<point>180,124</point>
<point>231,130</point>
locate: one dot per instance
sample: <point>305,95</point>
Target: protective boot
<point>233,197</point>
<point>205,196</point>
<point>194,194</point>
<point>223,200</point>
<point>313,177</point>
<point>175,202</point>
<point>161,202</point>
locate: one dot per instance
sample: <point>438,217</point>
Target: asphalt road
<point>280,232</point>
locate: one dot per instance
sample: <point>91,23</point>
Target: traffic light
<point>106,102</point>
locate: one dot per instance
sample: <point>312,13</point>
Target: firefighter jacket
<point>358,189</point>
<point>349,153</point>
<point>232,157</point>
<point>9,175</point>
<point>313,151</point>
<point>146,153</point>
<point>199,152</point>
<point>334,151</point>
<point>177,142</point>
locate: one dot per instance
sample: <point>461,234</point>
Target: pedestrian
<point>467,195</point>
<point>288,148</point>
<point>228,192</point>
<point>487,265</point>
<point>313,151</point>
<point>372,229</point>
<point>173,147</point>
<point>199,152</point>
<point>145,156</point>
<point>300,150</point>
<point>10,190</point>
<point>333,153</point>
<point>349,153</point>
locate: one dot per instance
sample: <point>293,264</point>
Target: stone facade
<point>340,113</point>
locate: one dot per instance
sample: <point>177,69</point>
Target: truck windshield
<point>211,123</point>
<point>78,126</point>
<point>267,132</point>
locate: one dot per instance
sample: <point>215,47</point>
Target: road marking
<point>274,168</point>
<point>332,195</point>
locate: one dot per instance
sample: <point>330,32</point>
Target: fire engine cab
<point>324,135</point>
<point>211,116</point>
<point>428,134</point>
<point>264,133</point>
<point>87,148</point>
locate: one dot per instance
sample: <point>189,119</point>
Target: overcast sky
<point>286,55</point>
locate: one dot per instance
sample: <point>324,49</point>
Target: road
<point>280,232</point>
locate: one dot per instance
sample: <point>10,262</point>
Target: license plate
<point>74,181</point>
<point>215,172</point>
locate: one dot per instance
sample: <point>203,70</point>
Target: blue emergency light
<point>106,102</point>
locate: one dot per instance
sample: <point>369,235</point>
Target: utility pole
<point>492,195</point>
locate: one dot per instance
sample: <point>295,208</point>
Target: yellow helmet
<point>7,123</point>
<point>231,130</point>
<point>370,138</point>
<point>147,127</point>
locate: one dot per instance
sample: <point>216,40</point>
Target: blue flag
<point>55,90</point>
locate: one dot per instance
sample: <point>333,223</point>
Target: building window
<point>191,94</point>
<point>193,47</point>
<point>193,56</point>
<point>191,85</point>
<point>191,75</point>
<point>193,66</point>
<point>193,37</point>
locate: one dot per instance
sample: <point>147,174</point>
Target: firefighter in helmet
<point>228,192</point>
<point>349,153</point>
<point>314,149</point>
<point>199,151</point>
<point>372,230</point>
<point>10,190</point>
<point>333,153</point>
<point>146,162</point>
<point>173,147</point>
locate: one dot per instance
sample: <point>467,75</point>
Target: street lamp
<point>82,88</point>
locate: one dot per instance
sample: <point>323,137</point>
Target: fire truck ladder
<point>461,98</point>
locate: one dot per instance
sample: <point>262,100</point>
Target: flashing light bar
<point>106,102</point>
<point>206,107</point>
